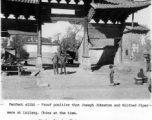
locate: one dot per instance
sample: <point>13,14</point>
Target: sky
<point>143,17</point>
<point>50,29</point>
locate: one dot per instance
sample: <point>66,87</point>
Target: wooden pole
<point>133,20</point>
<point>121,52</point>
<point>86,58</point>
<point>39,64</point>
<point>85,36</point>
<point>39,45</point>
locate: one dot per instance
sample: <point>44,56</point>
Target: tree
<point>4,42</point>
<point>17,44</point>
<point>50,39</point>
<point>56,38</point>
<point>71,39</point>
<point>46,40</point>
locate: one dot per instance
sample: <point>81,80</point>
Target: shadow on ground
<point>24,73</point>
<point>97,67</point>
<point>72,72</point>
<point>29,65</point>
<point>73,65</point>
<point>50,66</point>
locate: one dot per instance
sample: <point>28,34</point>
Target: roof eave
<point>25,1</point>
<point>122,6</point>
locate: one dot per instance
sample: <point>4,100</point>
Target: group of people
<point>59,58</point>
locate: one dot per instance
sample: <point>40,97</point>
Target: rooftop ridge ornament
<point>1,15</point>
<point>81,2</point>
<point>11,16</point>
<point>63,1</point>
<point>101,21</point>
<point>72,2</point>
<point>45,0</point>
<point>54,1</point>
<point>31,18</point>
<point>109,22</point>
<point>21,17</point>
<point>92,21</point>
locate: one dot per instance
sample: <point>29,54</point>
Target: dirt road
<point>77,84</point>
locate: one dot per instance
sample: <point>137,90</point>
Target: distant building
<point>47,49</point>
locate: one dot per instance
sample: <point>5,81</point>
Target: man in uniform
<point>148,59</point>
<point>55,63</point>
<point>9,60</point>
<point>148,66</point>
<point>62,62</point>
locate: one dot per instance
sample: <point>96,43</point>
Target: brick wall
<point>103,36</point>
<point>47,50</point>
<point>102,56</point>
<point>135,44</point>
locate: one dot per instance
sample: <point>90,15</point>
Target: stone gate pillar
<point>118,54</point>
<point>86,58</point>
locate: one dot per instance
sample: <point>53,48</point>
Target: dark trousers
<point>111,79</point>
<point>55,67</point>
<point>63,66</point>
<point>148,67</point>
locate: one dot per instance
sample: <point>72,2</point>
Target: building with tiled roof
<point>104,37</point>
<point>115,10</point>
<point>26,1</point>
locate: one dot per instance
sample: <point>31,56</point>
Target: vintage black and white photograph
<point>75,49</point>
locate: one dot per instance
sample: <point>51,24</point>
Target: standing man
<point>148,67</point>
<point>55,63</point>
<point>62,62</point>
<point>9,60</point>
<point>111,75</point>
<point>148,59</point>
<point>3,59</point>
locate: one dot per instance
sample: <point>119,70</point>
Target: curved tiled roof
<point>118,1</point>
<point>26,1</point>
<point>140,28</point>
<point>122,4</point>
<point>66,19</point>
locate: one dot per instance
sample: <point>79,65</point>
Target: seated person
<point>16,62</point>
<point>3,60</point>
<point>141,75</point>
<point>9,60</point>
